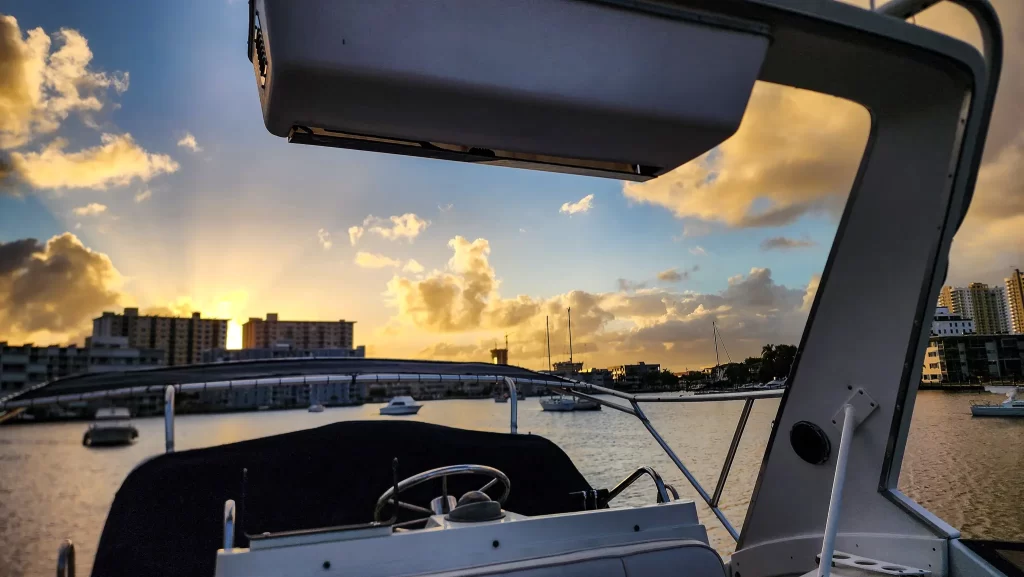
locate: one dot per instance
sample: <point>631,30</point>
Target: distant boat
<point>1011,407</point>
<point>401,406</point>
<point>316,408</point>
<point>112,426</point>
<point>565,404</point>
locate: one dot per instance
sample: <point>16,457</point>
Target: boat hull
<point>316,408</point>
<point>997,411</point>
<point>557,405</point>
<point>110,436</point>
<point>406,410</point>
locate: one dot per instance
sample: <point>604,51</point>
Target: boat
<point>112,426</point>
<point>401,406</point>
<point>558,403</point>
<point>502,398</point>
<point>316,408</point>
<point>627,90</point>
<point>1013,406</point>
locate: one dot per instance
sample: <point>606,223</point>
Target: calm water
<point>968,471</point>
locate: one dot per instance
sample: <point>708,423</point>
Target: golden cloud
<point>39,89</point>
<point>51,291</point>
<point>91,209</point>
<point>372,260</point>
<point>116,162</point>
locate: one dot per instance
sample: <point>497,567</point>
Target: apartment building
<point>973,358</point>
<point>983,304</point>
<point>1015,302</point>
<point>22,366</point>
<point>946,323</point>
<point>272,332</point>
<point>632,376</point>
<point>183,340</point>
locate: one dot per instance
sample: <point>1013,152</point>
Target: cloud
<point>355,233</point>
<point>188,141</point>
<point>412,266</point>
<point>810,292</point>
<point>582,205</point>
<point>445,207</point>
<point>785,243</point>
<point>91,209</point>
<point>40,88</point>
<point>143,195</point>
<point>324,238</point>
<point>698,251</point>
<point>372,260</point>
<point>676,275</point>
<point>796,152</point>
<point>452,352</point>
<point>626,285</point>
<point>50,292</point>
<point>650,324</point>
<point>116,162</point>
<point>407,226</point>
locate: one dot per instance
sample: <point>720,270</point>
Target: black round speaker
<point>810,442</point>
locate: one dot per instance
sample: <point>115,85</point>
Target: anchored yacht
<point>1012,406</point>
<point>112,426</point>
<point>401,406</point>
<point>628,90</point>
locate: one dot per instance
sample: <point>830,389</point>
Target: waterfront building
<point>1015,302</point>
<point>24,365</point>
<point>182,339</point>
<point>270,332</point>
<point>599,377</point>
<point>632,376</point>
<point>946,323</point>
<point>281,351</point>
<point>972,358</point>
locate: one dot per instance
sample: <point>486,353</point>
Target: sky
<point>135,170</point>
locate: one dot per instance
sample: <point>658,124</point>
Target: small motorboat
<point>501,398</point>
<point>112,427</point>
<point>1011,407</point>
<point>401,406</point>
<point>558,404</point>
<point>316,408</point>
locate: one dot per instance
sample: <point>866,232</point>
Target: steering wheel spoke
<point>443,473</point>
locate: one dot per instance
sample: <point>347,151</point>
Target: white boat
<point>112,427</point>
<point>567,403</point>
<point>316,408</point>
<point>1011,407</point>
<point>401,406</point>
<point>628,90</point>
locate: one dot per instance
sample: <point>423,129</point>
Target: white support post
<point>514,400</point>
<point>828,544</point>
<point>169,418</point>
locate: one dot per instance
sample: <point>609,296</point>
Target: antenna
<point>715,330</point>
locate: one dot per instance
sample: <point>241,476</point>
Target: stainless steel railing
<point>66,559</point>
<point>587,391</point>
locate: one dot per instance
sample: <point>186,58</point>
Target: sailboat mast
<point>547,331</point>
<point>717,360</point>
<point>569,311</point>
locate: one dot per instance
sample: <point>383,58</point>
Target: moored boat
<point>112,427</point>
<point>1012,406</point>
<point>401,406</point>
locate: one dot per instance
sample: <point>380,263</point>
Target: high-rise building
<point>182,339</point>
<point>25,365</point>
<point>983,304</point>
<point>1015,302</point>
<point>270,333</point>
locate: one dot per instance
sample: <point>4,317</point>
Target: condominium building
<point>182,339</point>
<point>632,376</point>
<point>281,352</point>
<point>983,304</point>
<point>1015,302</point>
<point>269,333</point>
<point>25,365</point>
<point>972,358</point>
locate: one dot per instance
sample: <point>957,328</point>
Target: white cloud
<point>445,207</point>
<point>91,209</point>
<point>407,226</point>
<point>188,141</point>
<point>412,267</point>
<point>324,238</point>
<point>143,195</point>
<point>40,88</point>
<point>582,205</point>
<point>786,243</point>
<point>116,162</point>
<point>698,251</point>
<point>355,233</point>
<point>373,260</point>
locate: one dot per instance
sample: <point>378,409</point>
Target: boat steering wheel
<point>442,473</point>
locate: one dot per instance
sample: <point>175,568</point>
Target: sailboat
<point>566,403</point>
